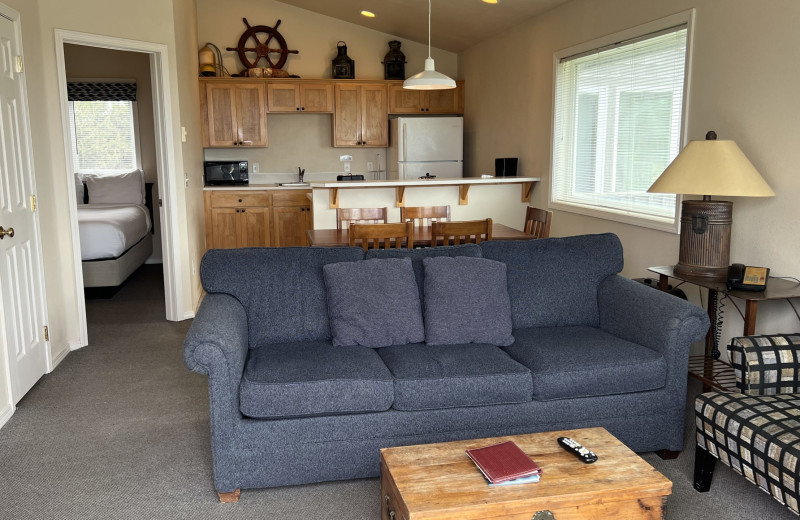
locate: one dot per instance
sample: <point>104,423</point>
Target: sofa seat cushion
<point>313,378</point>
<point>449,376</point>
<point>571,362</point>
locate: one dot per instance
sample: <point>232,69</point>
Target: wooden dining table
<point>422,236</point>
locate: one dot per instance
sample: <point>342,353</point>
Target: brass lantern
<point>394,63</point>
<point>343,66</point>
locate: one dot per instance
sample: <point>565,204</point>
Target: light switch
<point>183,134</point>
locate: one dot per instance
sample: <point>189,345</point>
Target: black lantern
<point>343,67</point>
<point>394,63</point>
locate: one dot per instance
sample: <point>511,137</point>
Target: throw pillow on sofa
<point>466,301</point>
<point>373,303</point>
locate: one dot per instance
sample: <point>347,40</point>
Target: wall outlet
<point>347,167</point>
<point>186,179</point>
<point>369,166</point>
<point>194,268</point>
<point>256,167</point>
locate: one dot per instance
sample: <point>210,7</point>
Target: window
<point>618,119</point>
<point>103,124</point>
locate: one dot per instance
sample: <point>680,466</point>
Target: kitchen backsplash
<point>302,140</point>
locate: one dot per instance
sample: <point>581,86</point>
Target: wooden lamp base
<point>705,239</point>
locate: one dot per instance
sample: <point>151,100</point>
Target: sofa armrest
<point>649,317</point>
<point>766,365</point>
<point>216,345</point>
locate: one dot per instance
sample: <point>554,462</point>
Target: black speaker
<point>505,167</point>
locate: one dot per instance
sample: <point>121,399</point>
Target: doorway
<point>165,205</point>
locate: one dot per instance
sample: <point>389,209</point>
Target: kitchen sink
<point>293,184</point>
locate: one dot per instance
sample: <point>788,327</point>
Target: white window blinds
<point>617,125</point>
<point>103,136</point>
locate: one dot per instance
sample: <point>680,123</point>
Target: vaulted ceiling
<point>455,24</point>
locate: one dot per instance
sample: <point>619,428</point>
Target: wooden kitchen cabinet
<point>237,219</point>
<point>291,217</point>
<point>299,97</point>
<point>257,218</point>
<point>235,114</point>
<point>360,116</point>
<point>405,101</point>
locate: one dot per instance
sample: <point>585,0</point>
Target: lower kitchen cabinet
<point>291,217</point>
<point>252,218</point>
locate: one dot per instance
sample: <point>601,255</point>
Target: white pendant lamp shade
<point>429,79</point>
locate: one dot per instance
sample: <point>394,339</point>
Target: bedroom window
<point>618,123</point>
<point>103,124</point>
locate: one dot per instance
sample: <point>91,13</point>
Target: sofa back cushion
<point>553,282</point>
<point>281,288</point>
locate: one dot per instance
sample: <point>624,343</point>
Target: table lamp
<point>707,168</point>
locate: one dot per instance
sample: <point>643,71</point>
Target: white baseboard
<point>59,357</point>
<point>6,413</point>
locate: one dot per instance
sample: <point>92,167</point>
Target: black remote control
<point>576,449</point>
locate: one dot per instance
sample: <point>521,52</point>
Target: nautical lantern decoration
<point>394,63</point>
<point>208,65</point>
<point>343,66</point>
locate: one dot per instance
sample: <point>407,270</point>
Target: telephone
<point>747,278</point>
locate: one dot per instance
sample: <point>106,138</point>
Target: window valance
<point>101,91</point>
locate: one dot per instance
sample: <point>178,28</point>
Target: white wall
<point>743,85</point>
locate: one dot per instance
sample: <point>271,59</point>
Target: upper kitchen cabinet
<point>405,101</point>
<point>235,114</point>
<point>360,116</point>
<point>293,96</point>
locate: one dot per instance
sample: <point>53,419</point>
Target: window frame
<point>137,150</point>
<point>638,32</point>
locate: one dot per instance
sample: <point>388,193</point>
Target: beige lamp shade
<point>712,167</point>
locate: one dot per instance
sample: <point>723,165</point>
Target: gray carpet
<point>120,430</point>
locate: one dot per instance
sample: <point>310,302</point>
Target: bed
<point>115,224</point>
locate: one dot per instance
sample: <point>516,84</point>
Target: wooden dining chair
<point>344,216</point>
<point>537,222</point>
<point>383,236</point>
<point>461,232</point>
<point>425,215</point>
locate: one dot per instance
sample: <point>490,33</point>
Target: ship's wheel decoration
<point>262,49</point>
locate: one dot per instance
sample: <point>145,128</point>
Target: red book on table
<point>503,462</point>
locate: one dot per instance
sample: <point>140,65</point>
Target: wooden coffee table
<point>439,481</point>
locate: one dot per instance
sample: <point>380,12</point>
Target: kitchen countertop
<point>381,183</point>
<point>253,186</point>
<point>460,181</point>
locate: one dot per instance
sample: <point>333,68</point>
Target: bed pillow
<point>125,188</point>
<point>373,303</point>
<point>466,301</point>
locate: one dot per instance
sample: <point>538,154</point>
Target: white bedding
<point>108,230</point>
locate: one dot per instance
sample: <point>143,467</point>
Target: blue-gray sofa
<point>291,402</point>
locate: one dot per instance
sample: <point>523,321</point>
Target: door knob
<point>4,232</point>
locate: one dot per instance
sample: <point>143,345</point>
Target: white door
<point>431,139</point>
<point>441,170</point>
<point>22,302</point>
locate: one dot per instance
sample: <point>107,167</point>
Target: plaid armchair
<point>755,431</point>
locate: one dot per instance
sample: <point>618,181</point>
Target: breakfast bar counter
<point>470,198</point>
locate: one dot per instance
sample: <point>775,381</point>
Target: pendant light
<point>429,79</point>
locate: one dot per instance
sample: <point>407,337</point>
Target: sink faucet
<point>300,173</point>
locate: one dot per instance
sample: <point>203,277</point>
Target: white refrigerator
<point>426,145</point>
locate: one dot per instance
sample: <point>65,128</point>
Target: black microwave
<point>219,173</point>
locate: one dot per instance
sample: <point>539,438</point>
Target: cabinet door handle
<point>303,108</point>
<point>298,108</point>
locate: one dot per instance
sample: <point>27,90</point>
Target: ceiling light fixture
<point>368,14</point>
<point>429,79</point>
